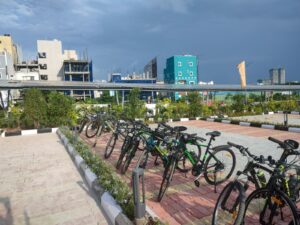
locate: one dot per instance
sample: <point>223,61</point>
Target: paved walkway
<point>184,203</point>
<point>39,184</point>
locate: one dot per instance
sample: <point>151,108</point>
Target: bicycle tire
<point>129,156</point>
<point>276,196</point>
<point>182,164</point>
<point>110,145</point>
<point>124,149</point>
<point>167,178</point>
<point>143,159</point>
<point>222,216</point>
<point>94,127</point>
<point>207,167</point>
<point>82,125</point>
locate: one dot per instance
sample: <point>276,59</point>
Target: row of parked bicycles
<point>265,191</point>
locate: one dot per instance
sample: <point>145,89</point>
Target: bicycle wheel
<point>143,159</point>
<point>126,145</point>
<point>110,145</point>
<point>92,128</point>
<point>167,178</point>
<point>82,125</point>
<point>219,166</point>
<point>270,207</point>
<point>184,164</point>
<point>230,205</point>
<point>129,156</point>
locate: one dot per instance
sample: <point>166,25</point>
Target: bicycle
<point>154,142</point>
<point>105,123</point>
<point>231,203</point>
<point>120,132</point>
<point>211,166</point>
<point>128,141</point>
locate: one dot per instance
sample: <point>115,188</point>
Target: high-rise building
<point>150,69</point>
<point>50,59</point>
<point>7,71</point>
<point>181,69</point>
<point>277,76</point>
<point>281,73</point>
<point>7,44</point>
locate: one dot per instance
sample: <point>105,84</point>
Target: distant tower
<point>277,76</point>
<point>281,72</point>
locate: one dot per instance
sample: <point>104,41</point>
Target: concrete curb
<point>294,129</point>
<point>268,126</point>
<point>29,132</point>
<point>245,124</point>
<point>226,121</point>
<point>109,205</point>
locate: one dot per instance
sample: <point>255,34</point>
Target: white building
<point>6,66</point>
<point>50,59</point>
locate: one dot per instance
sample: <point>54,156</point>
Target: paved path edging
<point>108,203</point>
<point>28,132</point>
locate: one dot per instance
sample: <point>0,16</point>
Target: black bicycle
<point>231,204</point>
<point>120,132</point>
<point>217,163</point>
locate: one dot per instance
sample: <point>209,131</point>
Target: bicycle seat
<point>214,133</point>
<point>179,128</point>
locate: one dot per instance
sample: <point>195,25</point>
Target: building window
<point>42,55</point>
<point>43,66</point>
<point>44,77</point>
<point>192,82</point>
<point>179,73</point>
<point>179,64</point>
<point>190,63</point>
<point>191,73</point>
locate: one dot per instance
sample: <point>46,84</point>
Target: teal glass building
<point>181,69</point>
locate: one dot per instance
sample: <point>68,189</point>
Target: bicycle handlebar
<point>276,141</point>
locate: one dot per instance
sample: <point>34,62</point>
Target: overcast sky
<point>123,35</point>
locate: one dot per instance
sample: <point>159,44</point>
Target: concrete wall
<point>20,75</point>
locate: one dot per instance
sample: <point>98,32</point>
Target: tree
<point>194,100</point>
<point>35,107</point>
<point>135,108</point>
<point>61,110</point>
<point>106,98</point>
<point>238,102</point>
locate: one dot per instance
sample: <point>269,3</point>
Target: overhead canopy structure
<point>68,85</point>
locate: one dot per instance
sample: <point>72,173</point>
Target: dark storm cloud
<point>124,34</point>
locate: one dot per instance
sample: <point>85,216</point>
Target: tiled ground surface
<point>184,203</point>
<point>39,184</point>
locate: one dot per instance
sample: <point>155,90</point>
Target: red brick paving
<point>184,203</point>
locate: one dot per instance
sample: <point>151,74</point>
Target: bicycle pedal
<point>197,183</point>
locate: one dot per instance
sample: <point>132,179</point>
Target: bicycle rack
<point>139,198</point>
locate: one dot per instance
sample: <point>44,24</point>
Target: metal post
<point>117,97</point>
<point>122,98</point>
<point>139,198</point>
<point>285,115</point>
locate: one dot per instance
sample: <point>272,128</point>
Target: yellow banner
<point>242,70</point>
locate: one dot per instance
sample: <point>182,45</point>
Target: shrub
<point>35,107</point>
<point>135,108</point>
<point>60,110</point>
<point>194,108</point>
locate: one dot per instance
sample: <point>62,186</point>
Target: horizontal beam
<point>72,85</point>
